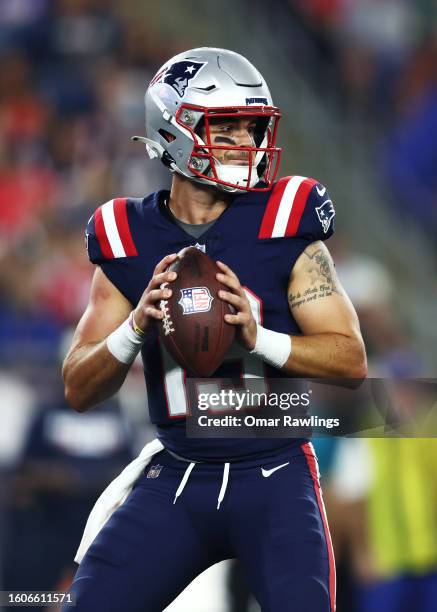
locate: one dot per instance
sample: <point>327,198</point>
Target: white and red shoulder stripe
<point>285,207</point>
<point>112,229</point>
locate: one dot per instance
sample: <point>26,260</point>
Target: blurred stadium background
<point>357,83</point>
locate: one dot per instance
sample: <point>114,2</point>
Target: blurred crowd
<point>375,61</point>
<point>72,83</point>
<point>73,76</point>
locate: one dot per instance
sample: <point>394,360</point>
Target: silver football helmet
<point>206,84</point>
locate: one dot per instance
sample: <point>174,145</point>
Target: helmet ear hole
<point>168,137</point>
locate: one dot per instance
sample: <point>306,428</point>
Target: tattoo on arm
<point>320,270</point>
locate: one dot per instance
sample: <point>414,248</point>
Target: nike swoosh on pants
<point>267,473</point>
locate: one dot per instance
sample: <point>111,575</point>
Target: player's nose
<point>244,137</point>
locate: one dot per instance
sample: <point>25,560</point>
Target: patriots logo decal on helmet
<point>179,75</point>
<point>326,213</point>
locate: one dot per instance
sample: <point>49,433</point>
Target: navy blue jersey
<point>260,236</point>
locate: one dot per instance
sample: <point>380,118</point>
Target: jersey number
<point>175,377</point>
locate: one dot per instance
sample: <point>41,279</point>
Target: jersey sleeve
<point>298,207</point>
<point>94,250</point>
<point>108,235</point>
<point>111,246</point>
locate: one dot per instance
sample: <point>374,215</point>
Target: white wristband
<point>271,346</point>
<point>124,343</point>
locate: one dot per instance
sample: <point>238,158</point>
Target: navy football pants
<point>152,548</point>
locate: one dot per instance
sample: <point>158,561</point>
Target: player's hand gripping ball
<point>193,328</point>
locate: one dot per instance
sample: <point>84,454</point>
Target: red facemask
<point>262,158</point>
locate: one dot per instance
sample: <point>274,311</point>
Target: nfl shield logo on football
<point>154,471</point>
<point>195,299</point>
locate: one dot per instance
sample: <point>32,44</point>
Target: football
<point>193,329</point>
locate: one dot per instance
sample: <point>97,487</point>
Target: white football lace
<point>166,321</point>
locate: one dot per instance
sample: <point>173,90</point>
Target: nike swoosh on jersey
<point>267,473</point>
<point>321,192</point>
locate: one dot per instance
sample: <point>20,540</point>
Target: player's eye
<point>225,127</point>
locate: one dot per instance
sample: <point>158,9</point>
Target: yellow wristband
<point>135,327</point>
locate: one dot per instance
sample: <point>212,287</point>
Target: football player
<point>210,119</point>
